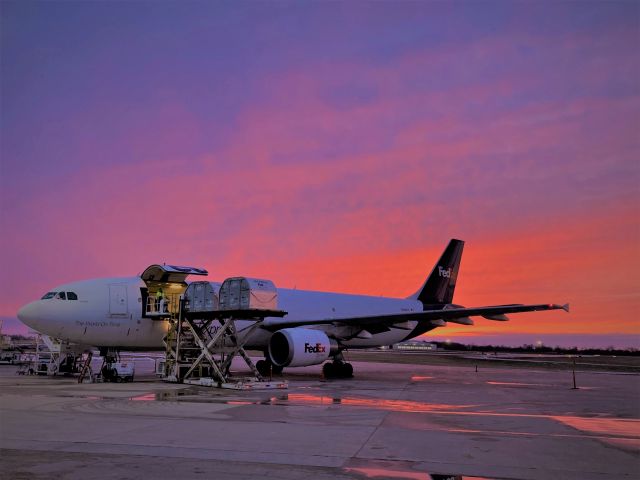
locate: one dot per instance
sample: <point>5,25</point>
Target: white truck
<point>119,372</point>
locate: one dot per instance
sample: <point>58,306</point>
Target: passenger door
<point>118,304</point>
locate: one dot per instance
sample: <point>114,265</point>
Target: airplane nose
<point>27,314</point>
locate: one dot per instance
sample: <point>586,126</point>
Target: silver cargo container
<point>242,293</point>
<point>201,297</point>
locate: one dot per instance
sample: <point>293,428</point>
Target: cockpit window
<point>60,295</point>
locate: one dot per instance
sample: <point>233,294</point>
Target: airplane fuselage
<point>110,312</point>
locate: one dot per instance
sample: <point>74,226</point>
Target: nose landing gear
<point>114,370</point>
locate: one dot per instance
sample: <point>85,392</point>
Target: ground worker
<point>160,300</point>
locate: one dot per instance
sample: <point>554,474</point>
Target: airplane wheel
<point>337,369</point>
<point>107,374</point>
<point>328,370</point>
<point>263,368</point>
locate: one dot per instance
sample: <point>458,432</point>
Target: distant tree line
<point>531,348</point>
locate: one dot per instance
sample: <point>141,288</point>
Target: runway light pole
<point>574,374</point>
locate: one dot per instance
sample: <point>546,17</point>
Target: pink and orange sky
<point>331,146</point>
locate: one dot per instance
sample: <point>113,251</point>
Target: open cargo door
<point>170,273</point>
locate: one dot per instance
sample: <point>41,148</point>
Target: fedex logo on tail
<point>444,273</point>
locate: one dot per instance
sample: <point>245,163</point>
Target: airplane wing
<point>450,313</point>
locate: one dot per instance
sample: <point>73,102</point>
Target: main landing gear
<point>337,369</point>
<point>267,369</point>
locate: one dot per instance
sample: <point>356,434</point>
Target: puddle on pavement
<point>599,426</point>
<point>420,378</point>
<point>147,397</point>
<point>376,403</point>
<point>203,395</point>
<point>619,427</point>
<point>406,473</point>
<point>618,432</point>
<point>297,399</point>
<point>519,384</point>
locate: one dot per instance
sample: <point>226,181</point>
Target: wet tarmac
<point>390,421</point>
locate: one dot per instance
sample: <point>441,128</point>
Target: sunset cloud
<point>331,155</point>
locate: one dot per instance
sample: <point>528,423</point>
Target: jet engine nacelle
<point>299,347</point>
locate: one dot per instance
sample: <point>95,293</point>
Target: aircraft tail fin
<point>441,282</point>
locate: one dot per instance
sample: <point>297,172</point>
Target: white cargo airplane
<point>112,314</point>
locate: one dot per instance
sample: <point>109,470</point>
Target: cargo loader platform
<point>212,327</point>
